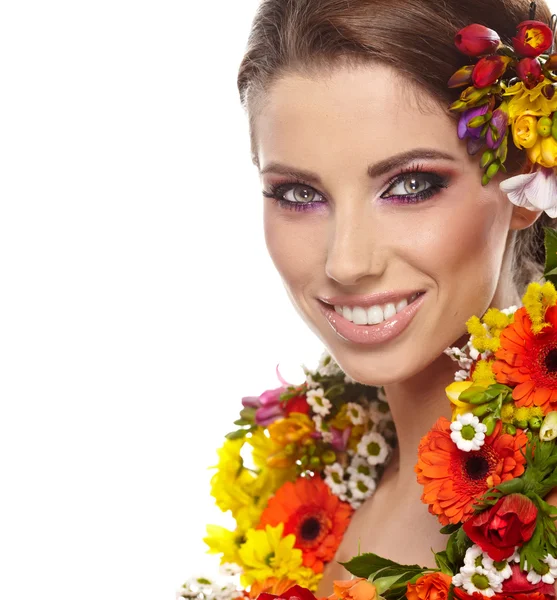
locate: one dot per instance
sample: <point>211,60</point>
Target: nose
<point>356,248</point>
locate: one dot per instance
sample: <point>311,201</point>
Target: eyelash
<point>436,181</point>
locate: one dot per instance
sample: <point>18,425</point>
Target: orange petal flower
<point>453,480</point>
<point>313,514</point>
<point>353,589</point>
<point>528,362</point>
<point>431,586</point>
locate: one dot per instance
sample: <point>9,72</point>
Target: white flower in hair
<point>534,191</point>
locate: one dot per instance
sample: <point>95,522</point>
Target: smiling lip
<point>371,334</point>
<point>365,301</point>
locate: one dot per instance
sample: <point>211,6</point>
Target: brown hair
<point>416,37</point>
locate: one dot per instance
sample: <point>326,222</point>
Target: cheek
<point>296,244</point>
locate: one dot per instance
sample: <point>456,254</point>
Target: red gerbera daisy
<point>529,361</point>
<point>313,514</point>
<point>453,480</point>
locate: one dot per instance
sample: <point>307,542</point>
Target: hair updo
<point>416,37</point>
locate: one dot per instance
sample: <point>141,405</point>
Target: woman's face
<point>382,233</point>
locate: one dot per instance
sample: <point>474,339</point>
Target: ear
<point>522,218</point>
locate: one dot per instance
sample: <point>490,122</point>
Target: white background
<point>137,301</point>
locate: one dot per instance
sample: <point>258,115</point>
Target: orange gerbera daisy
<point>529,361</point>
<point>313,514</point>
<point>453,480</point>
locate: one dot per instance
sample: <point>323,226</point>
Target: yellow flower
<point>533,102</point>
<point>229,482</point>
<point>266,452</point>
<point>225,542</point>
<point>544,152</point>
<point>266,553</point>
<point>294,429</point>
<point>483,375</point>
<point>342,420</point>
<point>525,131</point>
<point>453,391</point>
<point>537,299</point>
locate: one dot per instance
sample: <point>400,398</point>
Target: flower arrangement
<point>511,93</point>
<point>318,450</point>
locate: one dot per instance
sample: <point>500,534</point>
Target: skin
<point>453,246</point>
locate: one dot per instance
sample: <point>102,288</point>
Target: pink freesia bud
<point>530,72</point>
<point>532,38</point>
<point>477,40</point>
<point>499,122</point>
<point>489,69</point>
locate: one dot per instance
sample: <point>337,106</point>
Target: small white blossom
<point>348,379</point>
<point>334,478</point>
<point>379,412</point>
<point>310,382</point>
<point>361,487</point>
<point>467,432</point>
<point>360,466</point>
<point>316,399</point>
<point>374,448</point>
<point>504,570</point>
<point>355,413</point>
<point>325,434</point>
<point>327,366</point>
<point>509,311</point>
<point>461,375</point>
<point>472,555</point>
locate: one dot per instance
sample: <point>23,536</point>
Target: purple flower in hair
<point>499,121</point>
<point>472,134</point>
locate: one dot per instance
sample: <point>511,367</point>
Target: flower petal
<point>515,188</point>
<point>541,191</point>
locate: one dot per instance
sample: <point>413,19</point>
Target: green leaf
<point>448,529</point>
<point>369,564</point>
<point>442,561</point>
<point>457,545</point>
<point>550,272</point>
<point>382,584</point>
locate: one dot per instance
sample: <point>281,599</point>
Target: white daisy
<point>509,311</point>
<point>355,413</point>
<point>361,487</point>
<point>379,412</point>
<point>549,576</point>
<point>316,399</point>
<point>360,466</point>
<point>374,448</point>
<point>501,569</point>
<point>472,556</point>
<point>461,375</point>
<point>467,432</point>
<point>478,580</point>
<point>335,479</point>
<point>310,382</point>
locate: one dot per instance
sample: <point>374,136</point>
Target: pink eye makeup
<point>409,187</point>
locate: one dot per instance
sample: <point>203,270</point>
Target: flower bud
<point>548,91</point>
<point>462,77</point>
<point>551,63</point>
<point>544,126</point>
<point>328,457</point>
<point>535,423</point>
<point>530,72</point>
<point>476,40</point>
<point>511,429</point>
<point>489,69</point>
<point>532,38</point>
<point>315,462</point>
<point>493,169</point>
<point>487,158</point>
<point>521,424</point>
<point>548,430</point>
<point>489,422</point>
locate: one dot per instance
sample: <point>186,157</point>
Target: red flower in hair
<point>532,38</point>
<point>489,69</point>
<point>475,40</point>
<point>530,72</point>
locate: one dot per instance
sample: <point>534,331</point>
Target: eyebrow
<point>375,170</point>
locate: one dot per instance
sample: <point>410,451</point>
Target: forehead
<point>349,113</point>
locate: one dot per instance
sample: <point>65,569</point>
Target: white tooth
<point>338,309</point>
<point>359,316</point>
<point>347,312</point>
<point>401,305</point>
<point>389,311</point>
<point>374,315</point>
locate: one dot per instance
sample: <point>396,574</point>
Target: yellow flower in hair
<point>225,542</point>
<point>525,133</point>
<point>544,152</point>
<point>532,102</point>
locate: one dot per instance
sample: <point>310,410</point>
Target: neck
<point>415,405</point>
